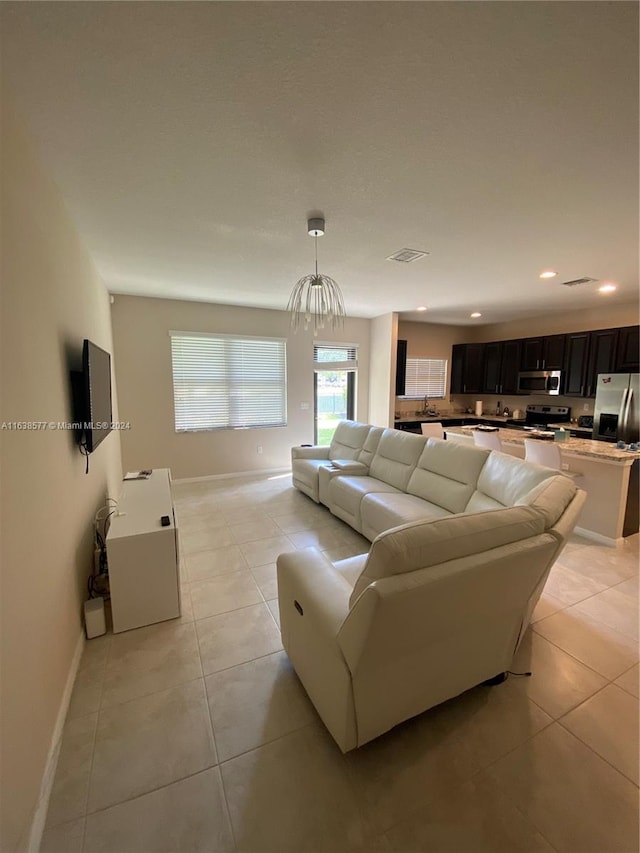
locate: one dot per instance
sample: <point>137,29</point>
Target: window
<point>335,357</point>
<point>227,382</point>
<point>334,386</point>
<point>426,377</point>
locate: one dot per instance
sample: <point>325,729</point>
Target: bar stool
<point>490,440</point>
<point>434,429</point>
<point>546,453</point>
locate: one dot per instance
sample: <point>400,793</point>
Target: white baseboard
<point>257,472</point>
<point>598,537</point>
<point>40,813</point>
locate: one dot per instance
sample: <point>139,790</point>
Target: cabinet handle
<point>497,389</point>
<point>537,363</point>
<point>464,388</point>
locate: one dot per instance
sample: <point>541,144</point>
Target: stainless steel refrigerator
<point>617,409</point>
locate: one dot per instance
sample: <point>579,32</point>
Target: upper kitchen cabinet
<point>492,367</point>
<point>628,357</point>
<point>501,367</point>
<point>467,368</point>
<point>401,368</point>
<point>544,353</point>
<point>603,348</point>
<point>511,358</point>
<point>577,358</point>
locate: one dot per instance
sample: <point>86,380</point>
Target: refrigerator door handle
<point>624,414</point>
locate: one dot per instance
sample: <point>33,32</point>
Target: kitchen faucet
<point>425,405</point>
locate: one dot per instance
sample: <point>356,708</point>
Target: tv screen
<point>96,373</point>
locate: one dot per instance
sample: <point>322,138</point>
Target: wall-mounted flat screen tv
<point>96,394</point>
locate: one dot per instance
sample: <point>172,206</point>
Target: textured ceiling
<point>191,141</point>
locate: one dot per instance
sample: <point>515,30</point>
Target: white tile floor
<point>195,734</point>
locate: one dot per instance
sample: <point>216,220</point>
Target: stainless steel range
<point>547,416</point>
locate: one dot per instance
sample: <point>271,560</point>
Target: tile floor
<point>195,734</point>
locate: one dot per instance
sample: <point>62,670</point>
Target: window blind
<point>335,356</point>
<point>227,382</point>
<point>426,377</point>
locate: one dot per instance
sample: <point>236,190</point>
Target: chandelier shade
<point>316,299</point>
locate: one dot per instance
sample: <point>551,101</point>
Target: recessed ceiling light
<point>608,287</point>
<point>421,308</point>
<point>548,274</point>
<point>476,314</point>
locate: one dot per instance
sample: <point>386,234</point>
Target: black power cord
<point>85,453</point>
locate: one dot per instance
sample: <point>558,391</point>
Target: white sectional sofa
<point>376,479</point>
<point>463,542</point>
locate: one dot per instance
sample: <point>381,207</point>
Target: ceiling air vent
<point>407,256</point>
<point>576,281</point>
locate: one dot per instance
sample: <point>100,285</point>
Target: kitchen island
<point>607,474</point>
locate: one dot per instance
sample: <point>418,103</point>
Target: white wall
<point>382,388</point>
<point>608,315</point>
<point>429,340</point>
<point>52,298</point>
<point>143,364</point>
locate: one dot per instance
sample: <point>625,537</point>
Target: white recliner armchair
<point>435,608</point>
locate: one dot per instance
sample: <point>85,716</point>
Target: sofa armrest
<point>351,466</point>
<point>314,451</point>
<point>309,579</point>
<point>314,602</point>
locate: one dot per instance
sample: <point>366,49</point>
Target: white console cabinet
<point>144,576</point>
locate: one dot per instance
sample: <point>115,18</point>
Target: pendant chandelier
<point>316,298</point>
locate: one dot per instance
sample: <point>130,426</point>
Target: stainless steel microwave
<point>540,382</point>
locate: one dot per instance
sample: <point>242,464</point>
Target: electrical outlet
<point>564,466</point>
<point>259,449</point>
<point>585,408</point>
<point>304,407</point>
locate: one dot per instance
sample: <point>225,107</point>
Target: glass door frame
<point>351,395</point>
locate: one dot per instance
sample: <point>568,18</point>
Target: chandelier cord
<point>316,299</point>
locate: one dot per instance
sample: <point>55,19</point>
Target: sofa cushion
<point>370,445</point>
<point>306,470</point>
<point>381,512</point>
<point>505,479</point>
<point>348,440</point>
<point>347,492</point>
<point>447,474</point>
<point>551,498</point>
<point>396,457</point>
<point>351,568</point>
<point>427,543</point>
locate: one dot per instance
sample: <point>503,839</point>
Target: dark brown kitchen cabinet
<point>576,363</point>
<point>457,368</point>
<point>511,358</point>
<point>401,368</point>
<point>531,353</point>
<point>545,353</point>
<point>467,368</point>
<point>603,347</point>
<point>492,367</point>
<point>628,357</point>
<point>501,367</point>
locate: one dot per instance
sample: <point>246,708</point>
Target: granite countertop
<point>574,446</point>
<point>451,416</point>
